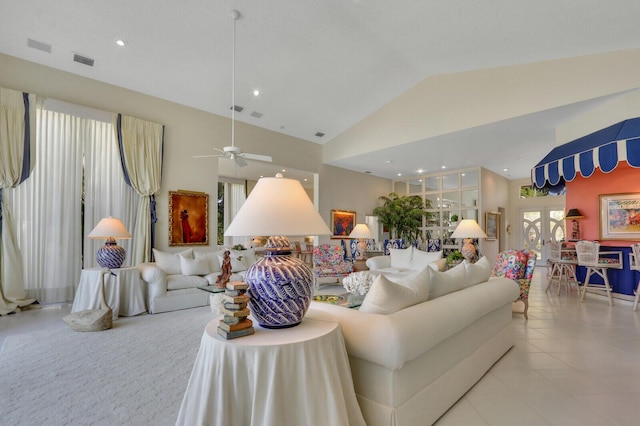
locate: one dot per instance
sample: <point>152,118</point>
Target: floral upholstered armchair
<point>517,265</point>
<point>328,262</point>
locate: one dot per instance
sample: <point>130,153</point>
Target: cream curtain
<point>15,139</point>
<point>141,146</point>
<point>105,191</point>
<point>48,207</point>
<point>235,195</point>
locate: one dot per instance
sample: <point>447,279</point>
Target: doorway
<point>539,227</point>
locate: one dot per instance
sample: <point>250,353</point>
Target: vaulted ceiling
<point>325,66</point>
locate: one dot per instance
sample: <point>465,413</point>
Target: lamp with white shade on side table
<point>468,229</point>
<point>280,285</point>
<point>111,255</point>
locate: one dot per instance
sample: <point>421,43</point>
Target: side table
<point>124,291</point>
<point>360,265</point>
<point>293,376</point>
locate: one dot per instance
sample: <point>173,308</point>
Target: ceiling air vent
<point>256,114</point>
<point>83,59</point>
<point>38,45</point>
<point>237,108</point>
<point>319,134</point>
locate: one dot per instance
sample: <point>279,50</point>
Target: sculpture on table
<point>225,271</point>
<point>93,319</point>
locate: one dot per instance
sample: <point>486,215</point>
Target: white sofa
<point>414,362</point>
<point>401,263</point>
<point>172,280</point>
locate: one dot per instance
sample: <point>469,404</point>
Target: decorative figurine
<point>225,271</point>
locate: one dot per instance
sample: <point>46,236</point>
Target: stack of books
<point>234,307</point>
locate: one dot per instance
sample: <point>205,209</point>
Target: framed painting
<point>492,225</point>
<point>620,216</point>
<point>188,218</point>
<point>342,223</point>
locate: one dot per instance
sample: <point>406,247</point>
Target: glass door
<point>539,226</point>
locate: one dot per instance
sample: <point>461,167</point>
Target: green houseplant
<point>402,215</point>
<point>454,257</point>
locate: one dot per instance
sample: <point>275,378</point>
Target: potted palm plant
<point>402,215</point>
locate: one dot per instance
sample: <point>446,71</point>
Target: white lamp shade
<point>468,228</point>
<point>110,227</point>
<point>361,230</point>
<point>277,206</point>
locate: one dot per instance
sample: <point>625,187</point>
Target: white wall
<point>349,191</point>
<point>494,193</point>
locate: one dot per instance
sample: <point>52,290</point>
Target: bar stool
<point>596,263</point>
<point>563,268</point>
<point>635,266</point>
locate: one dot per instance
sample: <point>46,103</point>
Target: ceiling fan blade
<point>265,158</point>
<point>239,161</point>
<point>207,156</point>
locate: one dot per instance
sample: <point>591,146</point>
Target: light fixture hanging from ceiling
<point>233,152</point>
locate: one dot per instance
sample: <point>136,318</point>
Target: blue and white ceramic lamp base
<point>110,255</point>
<point>280,286</point>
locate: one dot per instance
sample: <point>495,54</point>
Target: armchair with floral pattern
<point>517,265</point>
<point>328,262</point>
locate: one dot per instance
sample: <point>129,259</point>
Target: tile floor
<point>573,363</point>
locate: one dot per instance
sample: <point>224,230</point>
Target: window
<point>76,181</point>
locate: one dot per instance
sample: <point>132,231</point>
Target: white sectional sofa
<point>172,280</point>
<point>401,263</point>
<point>416,347</point>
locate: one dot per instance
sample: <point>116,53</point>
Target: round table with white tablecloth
<point>293,376</point>
<point>124,291</point>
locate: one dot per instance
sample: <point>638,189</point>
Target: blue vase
<point>280,286</point>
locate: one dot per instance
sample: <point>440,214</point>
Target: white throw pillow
<point>212,258</point>
<point>439,265</point>
<point>478,272</point>
<point>419,282</point>
<point>441,283</point>
<point>170,262</point>
<point>248,257</point>
<point>421,259</point>
<point>401,258</point>
<point>386,297</point>
<point>197,266</point>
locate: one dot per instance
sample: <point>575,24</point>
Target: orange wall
<point>583,194</point>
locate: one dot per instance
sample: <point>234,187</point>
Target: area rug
<point>134,374</point>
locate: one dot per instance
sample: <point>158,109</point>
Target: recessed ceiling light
<point>121,42</point>
<point>256,92</point>
<point>399,174</point>
<point>420,171</point>
<point>444,167</point>
<point>389,161</point>
<point>283,170</point>
<point>505,170</point>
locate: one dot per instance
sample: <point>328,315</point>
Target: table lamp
<point>111,255</point>
<point>574,215</point>
<point>468,229</point>
<point>280,285</point>
<point>362,232</point>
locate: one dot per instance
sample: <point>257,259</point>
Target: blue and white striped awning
<point>603,149</point>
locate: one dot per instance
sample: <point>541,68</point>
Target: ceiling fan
<point>234,152</point>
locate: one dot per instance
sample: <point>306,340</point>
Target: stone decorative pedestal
<point>234,307</point>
